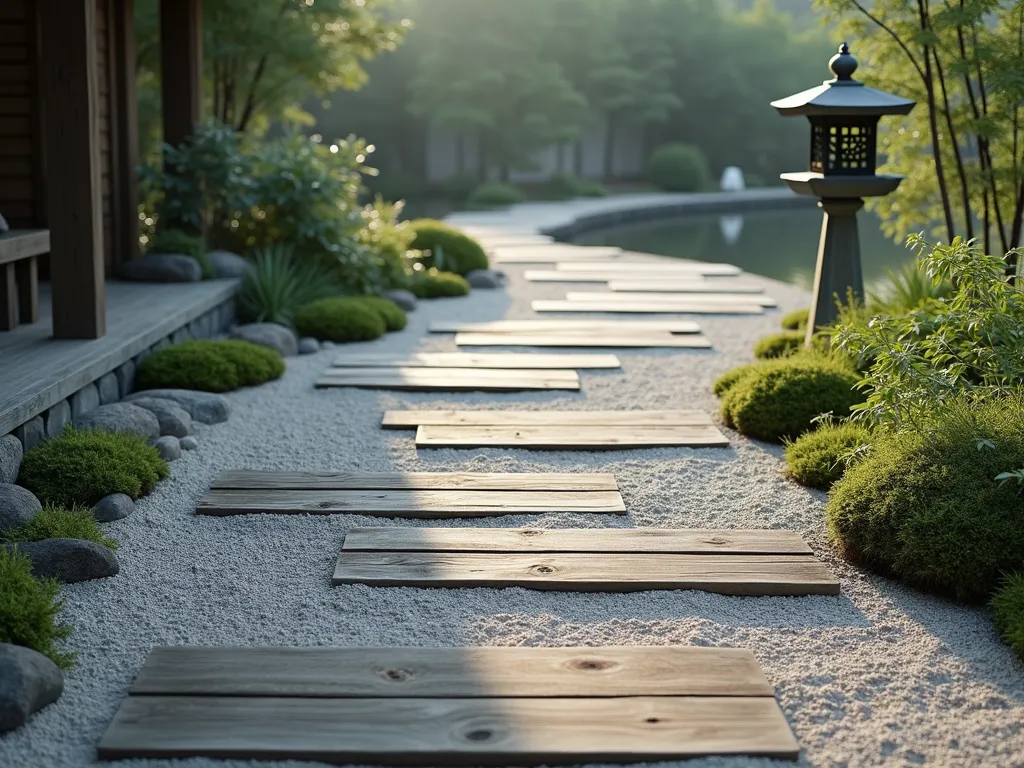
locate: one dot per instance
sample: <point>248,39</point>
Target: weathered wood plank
<point>466,360</point>
<point>448,380</point>
<point>19,244</point>
<point>478,672</point>
<point>566,438</point>
<point>594,540</point>
<point>666,268</point>
<point>747,575</point>
<point>672,298</point>
<point>607,327</point>
<point>240,479</point>
<point>412,419</point>
<point>407,503</point>
<point>673,285</point>
<point>645,307</point>
<point>572,339</point>
<point>498,374</point>
<point>551,254</point>
<point>432,732</point>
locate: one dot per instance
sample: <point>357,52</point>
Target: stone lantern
<point>844,115</point>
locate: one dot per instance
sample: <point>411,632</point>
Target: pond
<point>782,245</point>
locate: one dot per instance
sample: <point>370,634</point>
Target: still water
<point>782,245</point>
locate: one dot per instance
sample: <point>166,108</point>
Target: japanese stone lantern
<point>844,115</point>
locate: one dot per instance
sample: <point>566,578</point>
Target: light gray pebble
<point>169,447</point>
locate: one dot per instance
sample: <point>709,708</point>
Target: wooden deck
<point>37,371</point>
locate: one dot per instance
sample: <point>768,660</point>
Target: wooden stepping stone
<point>665,268</point>
<point>450,379</point>
<point>673,285</point>
<point>604,327</point>
<point>489,242</point>
<point>574,339</point>
<point>463,360</point>
<point>693,307</point>
<point>673,298</point>
<point>749,563</point>
<point>413,495</point>
<point>414,419</point>
<point>445,706</point>
<point>551,254</point>
<point>560,438</point>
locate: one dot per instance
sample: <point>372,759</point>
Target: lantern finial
<point>843,65</point>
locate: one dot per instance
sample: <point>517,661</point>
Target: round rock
<point>121,417</point>
<point>272,335</point>
<point>204,407</point>
<point>28,682</point>
<point>188,443</point>
<point>168,447</point>
<point>174,420</point>
<point>308,346</point>
<point>17,506</point>
<point>228,264</point>
<point>11,454</point>
<point>69,560</point>
<point>162,268</point>
<point>113,507</point>
<point>404,299</point>
<point>486,279</point>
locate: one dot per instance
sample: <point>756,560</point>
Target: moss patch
<point>209,366</point>
<point>29,608</point>
<point>1008,612</point>
<point>393,315</point>
<point>796,320</point>
<point>341,319</point>
<point>60,523</point>
<point>818,459</point>
<point>779,345</point>
<point>461,253</point>
<point>432,284</point>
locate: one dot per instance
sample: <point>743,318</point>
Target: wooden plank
<point>550,254</point>
<point>181,52</point>
<point>413,419</point>
<point>570,339</point>
<point>408,503</point>
<point>555,276</point>
<point>566,438</point>
<point>419,481</point>
<point>425,379</point>
<point>743,575</point>
<point>672,285</point>
<point>608,327</point>
<point>594,540</point>
<point>18,244</point>
<point>673,298</point>
<point>444,374</point>
<point>430,732</point>
<point>464,360</point>
<point>645,307</point>
<point>664,268</point>
<point>478,672</point>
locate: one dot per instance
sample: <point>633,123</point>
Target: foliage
<point>1008,612</point>
<point>209,366</point>
<point>590,188</point>
<point>494,194</point>
<point>80,467</point>
<point>779,345</point>
<point>678,168</point>
<point>462,253</point>
<point>29,609</point>
<point>796,320</point>
<point>819,458</point>
<point>389,242</point>
<point>728,380</point>
<point>926,506</point>
<point>341,319</point>
<point>255,364</point>
<point>178,241</point>
<point>907,288</point>
<point>432,284</point>
<point>60,523</point>
<point>278,284</point>
<point>393,315</point>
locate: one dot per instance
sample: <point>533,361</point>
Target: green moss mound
<point>780,399</point>
<point>253,363</point>
<point>727,380</point>
<point>678,168</point>
<point>341,319</point>
<point>432,284</point>
<point>779,345</point>
<point>29,609</point>
<point>209,366</point>
<point>494,194</point>
<point>796,320</point>
<point>393,315</point>
<point>461,253</point>
<point>925,506</point>
<point>818,459</point>
<point>60,523</point>
<point>83,466</point>
<point>1008,612</point>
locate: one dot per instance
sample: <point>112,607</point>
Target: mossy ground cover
<point>340,319</point>
<point>209,366</point>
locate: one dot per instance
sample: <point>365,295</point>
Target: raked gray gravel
<point>879,676</point>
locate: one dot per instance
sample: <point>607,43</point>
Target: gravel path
<point>879,676</point>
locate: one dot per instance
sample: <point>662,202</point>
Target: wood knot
<point>478,735</point>
<point>396,675</point>
<point>531,532</point>
<point>653,720</point>
<point>593,664</point>
<point>716,540</point>
<point>324,504</point>
<point>543,569</point>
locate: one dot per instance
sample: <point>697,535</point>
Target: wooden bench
<point>19,275</point>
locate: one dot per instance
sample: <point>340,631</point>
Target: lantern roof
<point>843,95</point>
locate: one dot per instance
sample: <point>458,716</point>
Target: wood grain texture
<point>673,285</point>
<point>607,327</point>
<point>672,298</point>
<point>646,307</point>
<point>405,503</point>
<point>497,374</point>
<point>18,244</point>
<point>664,268</point>
<point>551,254</point>
<point>239,479</point>
<point>412,419</point>
<point>595,540</point>
<point>448,380</point>
<point>467,360</point>
<point>478,672</point>
<point>448,731</point>
<point>571,339</point>
<point>749,575</point>
<point>556,438</point>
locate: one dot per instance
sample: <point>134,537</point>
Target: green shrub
<point>678,168</point>
<point>254,364</point>
<point>279,284</point>
<point>796,320</point>
<point>80,467</point>
<point>728,379</point>
<point>781,398</point>
<point>393,315</point>
<point>494,194</point>
<point>818,459</point>
<point>926,505</point>
<point>341,319</point>
<point>1008,612</point>
<point>388,241</point>
<point>462,254</point>
<point>908,288</point>
<point>179,241</point>
<point>431,284</point>
<point>591,188</point>
<point>61,523</point>
<point>779,345</point>
<point>29,608</point>
<point>209,366</point>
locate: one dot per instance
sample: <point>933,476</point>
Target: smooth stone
<point>168,447</point>
<point>327,344</point>
<point>204,407</point>
<point>308,346</point>
<point>188,443</point>
<point>116,506</point>
<point>404,299</point>
<point>17,506</point>
<point>31,433</point>
<point>108,388</point>
<point>162,268</point>
<point>4,226</point>
<point>125,378</point>
<point>11,454</point>
<point>277,337</point>
<point>28,682</point>
<point>84,400</point>
<point>228,264</point>
<point>69,560</point>
<point>121,417</point>
<point>487,279</point>
<point>57,417</point>
<point>174,420</point>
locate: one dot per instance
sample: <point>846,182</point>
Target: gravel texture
<point>881,675</point>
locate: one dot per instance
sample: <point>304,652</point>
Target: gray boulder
<point>32,432</point>
<point>168,447</point>
<point>69,560</point>
<point>404,299</point>
<point>28,682</point>
<point>174,420</point>
<point>17,506</point>
<point>487,279</point>
<point>11,454</point>
<point>204,407</point>
<point>308,346</point>
<point>272,335</point>
<point>162,268</point>
<point>121,417</point>
<point>188,443</point>
<point>57,417</point>
<point>4,226</point>
<point>108,388</point>
<point>84,400</point>
<point>228,264</point>
<point>113,507</point>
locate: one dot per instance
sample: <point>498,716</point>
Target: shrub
<point>494,194</point>
<point>253,363</point>
<point>928,505</point>
<point>462,253</point>
<point>29,608</point>
<point>1008,612</point>
<point>782,398</point>
<point>431,284</point>
<point>278,284</point>
<point>83,466</point>
<point>393,315</point>
<point>591,188</point>
<point>179,241</point>
<point>818,459</point>
<point>60,523</point>
<point>908,288</point>
<point>678,168</point>
<point>389,243</point>
<point>779,345</point>
<point>209,366</point>
<point>728,379</point>
<point>340,318</point>
<point>796,320</point>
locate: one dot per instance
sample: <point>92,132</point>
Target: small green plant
<point>80,467</point>
<point>431,284</point>
<point>278,285</point>
<point>1008,612</point>
<point>61,523</point>
<point>461,253</point>
<point>796,320</point>
<point>209,366</point>
<point>779,345</point>
<point>253,363</point>
<point>394,316</point>
<point>678,168</point>
<point>818,459</point>
<point>907,288</point>
<point>29,608</point>
<point>494,194</point>
<point>341,318</point>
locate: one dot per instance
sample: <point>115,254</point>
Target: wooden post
<point>181,61</point>
<point>124,129</point>
<point>68,86</point>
